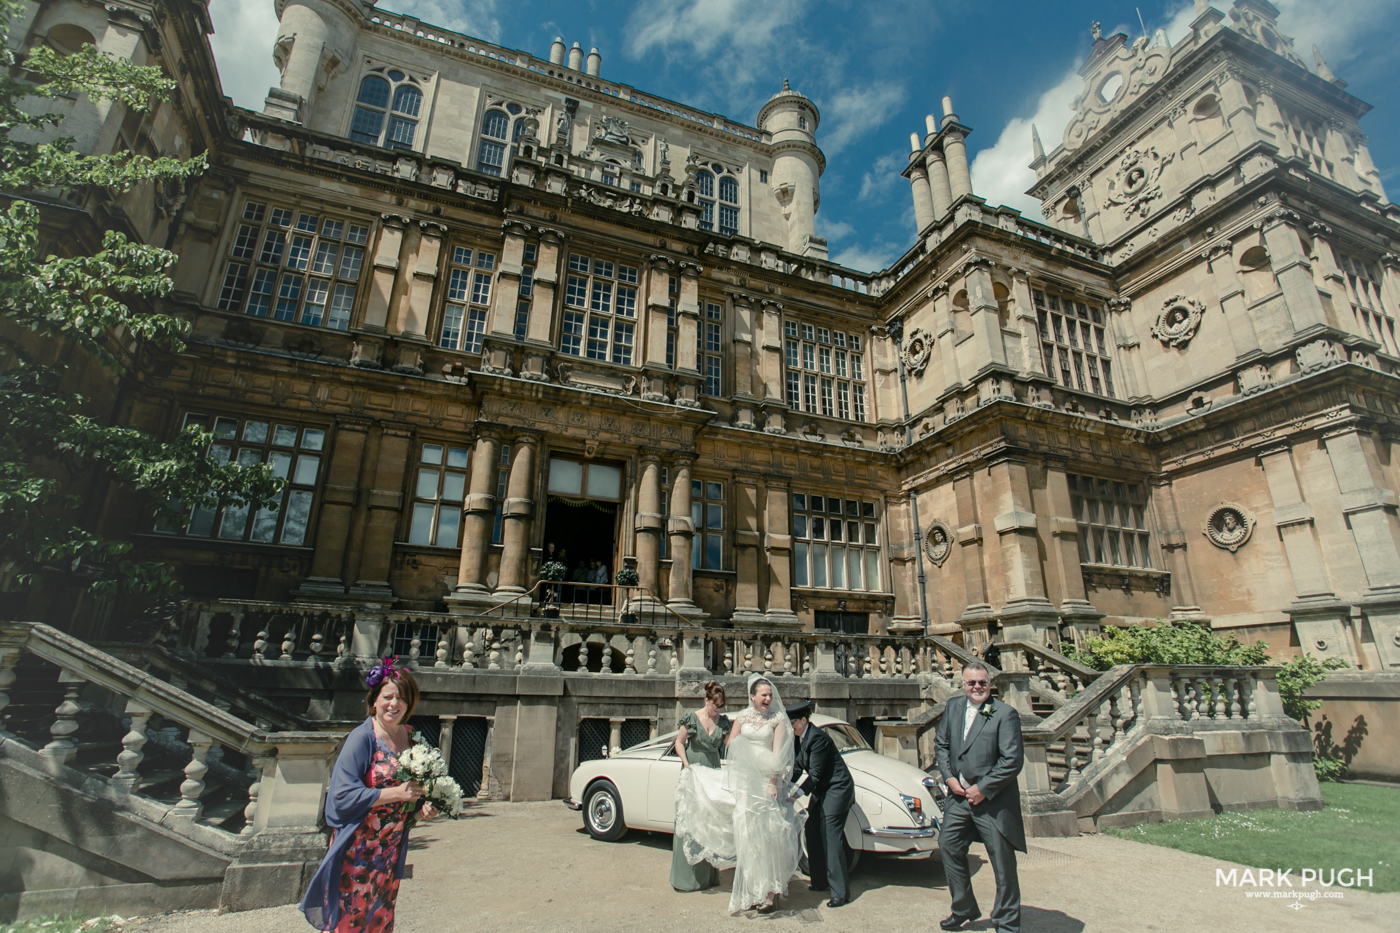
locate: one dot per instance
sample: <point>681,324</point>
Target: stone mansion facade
<point>478,307</point>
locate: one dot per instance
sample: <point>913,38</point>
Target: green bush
<point>1168,642</point>
<point>1329,768</point>
<point>626,577</point>
<point>554,572</point>
<point>1190,643</point>
<point>1294,679</point>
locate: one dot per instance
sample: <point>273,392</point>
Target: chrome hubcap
<point>601,813</point>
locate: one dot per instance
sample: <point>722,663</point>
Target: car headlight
<point>915,806</point>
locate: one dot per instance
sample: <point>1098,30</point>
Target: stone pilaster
<point>1229,291</point>
<point>1062,558</point>
<point>384,271</point>
<point>1174,547</point>
<point>415,310</point>
<point>777,547</point>
<point>983,314</point>
<point>1026,615</point>
<point>338,497</point>
<point>385,506</point>
<point>540,330</point>
<point>1293,271</point>
<point>977,614</point>
<point>511,268</point>
<point>1369,506</point>
<point>747,540</point>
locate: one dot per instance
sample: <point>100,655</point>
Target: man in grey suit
<point>979,753</point>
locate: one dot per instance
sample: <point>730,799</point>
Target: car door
<point>661,791</point>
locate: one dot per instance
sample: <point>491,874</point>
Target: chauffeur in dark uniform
<point>829,783</point>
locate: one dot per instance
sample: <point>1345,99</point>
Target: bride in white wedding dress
<point>742,818</point>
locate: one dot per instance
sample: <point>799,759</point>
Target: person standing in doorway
<point>979,753</point>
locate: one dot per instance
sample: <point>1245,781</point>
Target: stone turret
<point>315,41</point>
<point>797,166</point>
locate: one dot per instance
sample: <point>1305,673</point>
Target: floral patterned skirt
<point>368,886</point>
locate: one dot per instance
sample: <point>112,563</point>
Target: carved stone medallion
<point>938,543</point>
<point>1135,186</point>
<point>917,348</point>
<point>1228,526</point>
<point>1177,323</point>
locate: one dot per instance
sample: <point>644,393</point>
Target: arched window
<point>372,107</point>
<point>729,205</point>
<point>495,130</point>
<point>706,184</point>
<point>66,38</point>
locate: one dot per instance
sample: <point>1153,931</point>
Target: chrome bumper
<point>572,804</point>
<point>902,832</point>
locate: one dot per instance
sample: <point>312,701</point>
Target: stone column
<point>1026,614</point>
<point>745,377</point>
<point>413,313</point>
<point>746,545</point>
<point>945,334</point>
<point>384,271</point>
<point>1270,120</point>
<point>385,507</point>
<point>540,330</point>
<point>777,545</point>
<point>687,330</point>
<point>516,513</point>
<point>649,521</point>
<point>681,528</point>
<point>983,314</point>
<point>936,165</point>
<point>923,200</point>
<point>1229,291</point>
<point>508,273</point>
<point>904,561</point>
<point>1319,618</point>
<point>978,613</point>
<point>1369,507</point>
<point>1029,326</point>
<point>1063,553</point>
<point>338,497</point>
<point>1174,538</point>
<point>1340,155</point>
<point>1293,272</point>
<point>478,519</point>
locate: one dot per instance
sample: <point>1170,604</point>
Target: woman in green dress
<point>700,741</point>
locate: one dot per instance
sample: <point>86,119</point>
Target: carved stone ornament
<point>613,130</point>
<point>938,543</point>
<point>1179,320</point>
<point>917,348</point>
<point>1136,184</point>
<point>1228,526</point>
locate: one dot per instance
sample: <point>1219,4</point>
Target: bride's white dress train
<point>740,817</point>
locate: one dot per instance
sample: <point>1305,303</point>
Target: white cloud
<point>734,42</point>
<point>242,41</point>
<point>1338,29</point>
<point>1002,173</point>
<point>833,230</point>
<point>883,174</point>
<point>854,112</point>
<point>475,18</point>
<point>869,258</point>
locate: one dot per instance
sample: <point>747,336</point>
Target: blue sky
<point>874,69</point>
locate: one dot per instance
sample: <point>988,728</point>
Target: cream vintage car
<point>894,811</point>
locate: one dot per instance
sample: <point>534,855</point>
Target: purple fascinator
<point>380,672</point>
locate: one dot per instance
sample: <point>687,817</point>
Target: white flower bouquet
<point>423,764</point>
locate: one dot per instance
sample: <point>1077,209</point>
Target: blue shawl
<point>347,804</point>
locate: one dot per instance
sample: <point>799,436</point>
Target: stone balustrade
<point>278,778</point>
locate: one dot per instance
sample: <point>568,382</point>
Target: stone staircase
<point>122,790</point>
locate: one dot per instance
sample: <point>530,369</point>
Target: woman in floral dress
<point>368,811</point>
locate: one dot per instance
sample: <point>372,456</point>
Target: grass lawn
<point>1357,830</point>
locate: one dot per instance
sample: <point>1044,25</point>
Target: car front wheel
<point>602,812</point>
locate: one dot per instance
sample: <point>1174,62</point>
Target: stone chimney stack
<point>595,62</point>
<point>576,58</point>
<point>556,51</point>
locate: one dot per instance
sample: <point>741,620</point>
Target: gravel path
<point>530,867</point>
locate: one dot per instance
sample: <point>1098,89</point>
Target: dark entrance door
<point>583,529</point>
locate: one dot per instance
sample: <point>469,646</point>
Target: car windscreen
<point>845,738</point>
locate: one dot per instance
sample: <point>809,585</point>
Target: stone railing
<point>130,715</point>
<point>1054,677</point>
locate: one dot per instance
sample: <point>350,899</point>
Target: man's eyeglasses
<point>975,683</point>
